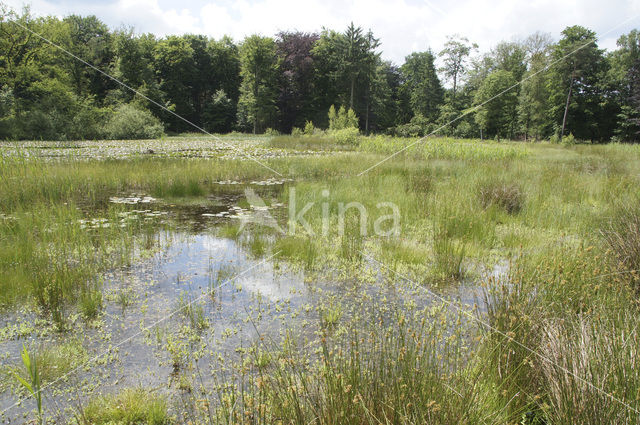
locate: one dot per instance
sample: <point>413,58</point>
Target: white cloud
<point>402,25</point>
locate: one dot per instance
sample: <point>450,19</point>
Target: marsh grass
<point>352,237</point>
<point>508,196</point>
<point>593,357</point>
<point>581,323</point>
<point>308,143</point>
<point>90,303</point>
<point>193,312</point>
<point>448,252</point>
<point>129,407</point>
<point>461,201</point>
<point>31,381</point>
<point>622,235</point>
<point>298,249</point>
<point>400,366</point>
<point>396,251</point>
<point>53,360</point>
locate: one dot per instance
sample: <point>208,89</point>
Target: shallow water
<point>145,326</point>
<point>265,291</point>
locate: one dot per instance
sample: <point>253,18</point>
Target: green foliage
<point>575,91</point>
<point>259,67</point>
<point>345,136</point>
<point>498,99</point>
<point>343,126</point>
<point>419,126</point>
<point>456,56</point>
<point>32,385</point>
<point>533,101</point>
<point>568,140</point>
<point>284,82</point>
<point>422,86</point>
<point>130,122</point>
<point>342,119</point>
<point>309,128</point>
<point>219,114</point>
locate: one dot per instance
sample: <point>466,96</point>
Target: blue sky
<point>402,25</point>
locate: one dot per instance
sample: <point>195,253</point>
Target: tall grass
<point>622,235</point>
<point>570,297</point>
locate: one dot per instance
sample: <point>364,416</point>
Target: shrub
<point>87,123</point>
<point>568,140</point>
<point>342,119</point>
<point>505,195</point>
<point>271,132</point>
<point>296,132</point>
<point>419,126</point>
<point>309,128</point>
<point>130,122</point>
<point>345,136</point>
<point>465,130</point>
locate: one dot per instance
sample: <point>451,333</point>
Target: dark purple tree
<point>295,99</point>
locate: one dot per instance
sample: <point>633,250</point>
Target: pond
<point>194,305</point>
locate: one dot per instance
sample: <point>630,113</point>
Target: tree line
<point>533,88</point>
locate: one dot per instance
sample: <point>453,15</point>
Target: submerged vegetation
<point>508,293</point>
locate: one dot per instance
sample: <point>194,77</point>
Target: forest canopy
<point>534,88</point>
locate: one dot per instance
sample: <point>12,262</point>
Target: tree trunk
<point>255,99</point>
<point>353,84</point>
<point>566,106</point>
<point>453,95</point>
<point>366,122</point>
<point>366,118</point>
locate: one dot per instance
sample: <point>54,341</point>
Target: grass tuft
<point>129,407</point>
<point>622,235</point>
<point>508,196</point>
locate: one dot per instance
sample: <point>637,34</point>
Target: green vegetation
<point>442,271</point>
<point>287,83</point>
<point>130,407</point>
<point>558,325</point>
<point>32,382</point>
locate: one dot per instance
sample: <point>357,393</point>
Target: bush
<point>345,136</point>
<point>130,122</point>
<point>88,122</point>
<point>309,128</point>
<point>296,132</point>
<point>271,132</point>
<point>342,119</point>
<point>568,140</point>
<point>465,130</point>
<point>419,126</point>
<point>505,195</point>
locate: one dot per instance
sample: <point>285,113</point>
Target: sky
<point>403,26</point>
